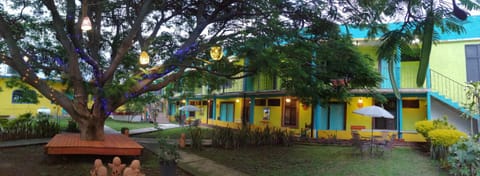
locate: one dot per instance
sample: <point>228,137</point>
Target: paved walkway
<point>194,164</point>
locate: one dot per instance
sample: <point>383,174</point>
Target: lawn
<point>322,160</point>
<point>174,133</point>
<point>115,124</point>
<point>314,159</point>
<point>118,125</point>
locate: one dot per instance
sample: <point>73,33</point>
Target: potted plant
<point>168,157</point>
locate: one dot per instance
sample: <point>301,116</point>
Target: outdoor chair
<point>382,140</point>
<point>195,123</point>
<point>385,147</point>
<point>388,147</point>
<point>358,144</point>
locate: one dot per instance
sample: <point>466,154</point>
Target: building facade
<point>455,59</point>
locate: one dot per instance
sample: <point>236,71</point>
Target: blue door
<point>337,116</point>
<point>226,112</point>
<point>330,117</point>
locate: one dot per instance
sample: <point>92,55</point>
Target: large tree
<point>99,67</point>
<point>298,41</point>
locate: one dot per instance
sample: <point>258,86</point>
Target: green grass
<point>118,125</point>
<point>115,124</point>
<point>174,133</point>
<point>63,122</point>
<point>322,160</point>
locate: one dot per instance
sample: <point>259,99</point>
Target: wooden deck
<point>114,144</point>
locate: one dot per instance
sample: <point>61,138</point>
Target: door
<point>226,112</point>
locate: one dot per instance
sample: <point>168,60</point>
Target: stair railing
<point>448,87</point>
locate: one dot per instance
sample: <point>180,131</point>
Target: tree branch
<point>127,42</point>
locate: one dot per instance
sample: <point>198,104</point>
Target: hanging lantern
<point>25,58</point>
<point>216,52</point>
<point>86,24</point>
<point>144,58</point>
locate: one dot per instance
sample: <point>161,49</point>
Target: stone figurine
<point>181,141</point>
<point>116,166</point>
<point>98,169</point>
<point>133,169</point>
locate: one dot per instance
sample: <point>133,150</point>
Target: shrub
<point>196,134</point>
<point>72,126</point>
<point>445,137</point>
<point>45,127</point>
<point>423,127</point>
<point>26,127</point>
<point>464,157</point>
<point>441,139</point>
<point>247,136</point>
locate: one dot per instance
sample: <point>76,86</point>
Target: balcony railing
<point>263,83</point>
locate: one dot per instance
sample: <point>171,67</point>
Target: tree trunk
<point>92,130</point>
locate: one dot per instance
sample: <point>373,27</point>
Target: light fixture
<point>25,58</point>
<point>144,58</point>
<point>288,100</point>
<point>216,52</point>
<point>237,100</point>
<point>184,101</point>
<point>86,24</point>
<point>360,103</point>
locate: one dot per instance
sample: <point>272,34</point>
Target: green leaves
<point>307,67</point>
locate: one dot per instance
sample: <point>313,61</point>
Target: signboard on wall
<point>266,113</point>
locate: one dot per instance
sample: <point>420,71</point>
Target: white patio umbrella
<point>188,108</point>
<point>374,112</point>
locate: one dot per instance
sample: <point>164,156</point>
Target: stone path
<point>198,165</point>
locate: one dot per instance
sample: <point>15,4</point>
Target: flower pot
<point>168,168</point>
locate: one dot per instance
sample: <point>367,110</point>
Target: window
<point>384,123</point>
<point>273,102</point>
<point>260,102</point>
<point>290,114</point>
<point>194,102</point>
<point>228,84</point>
<point>472,56</point>
<point>24,96</point>
<point>411,104</point>
<point>332,117</point>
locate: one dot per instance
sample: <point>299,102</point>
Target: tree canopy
<point>296,40</point>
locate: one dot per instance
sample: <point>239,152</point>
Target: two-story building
<point>455,59</point>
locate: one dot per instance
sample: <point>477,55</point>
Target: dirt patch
<point>31,160</point>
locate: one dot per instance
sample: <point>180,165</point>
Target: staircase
<point>448,91</point>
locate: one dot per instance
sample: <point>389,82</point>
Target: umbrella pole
<point>371,140</point>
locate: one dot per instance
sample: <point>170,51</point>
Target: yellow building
<point>260,101</point>
<point>10,106</point>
